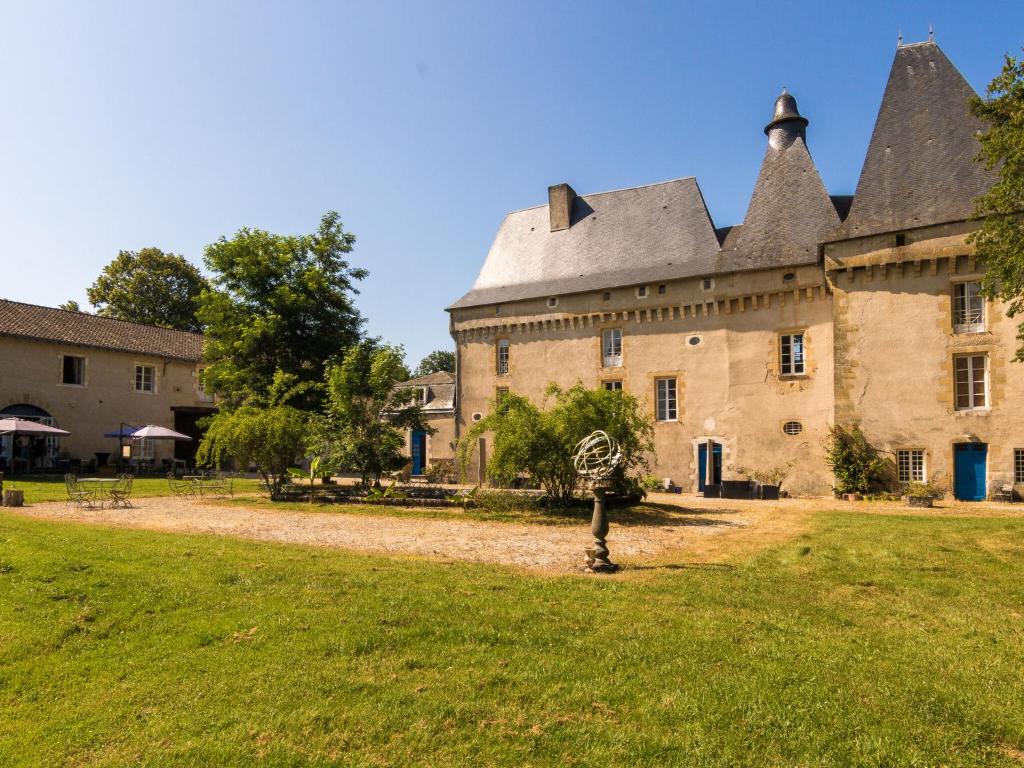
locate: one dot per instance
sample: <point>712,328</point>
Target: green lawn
<point>40,488</point>
<point>871,641</point>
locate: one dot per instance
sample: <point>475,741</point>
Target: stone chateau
<point>746,342</point>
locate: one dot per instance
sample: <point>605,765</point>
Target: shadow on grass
<point>714,567</point>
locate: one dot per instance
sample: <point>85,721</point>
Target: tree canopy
<point>541,442</point>
<point>151,287</point>
<point>437,361</point>
<point>367,414</point>
<point>1000,241</point>
<point>278,303</point>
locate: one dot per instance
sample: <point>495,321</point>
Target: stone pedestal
<point>14,498</point>
<point>597,556</point>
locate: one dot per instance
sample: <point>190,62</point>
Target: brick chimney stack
<point>560,200</point>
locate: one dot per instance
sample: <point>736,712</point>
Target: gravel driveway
<point>542,547</point>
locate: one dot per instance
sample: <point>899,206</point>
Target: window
<point>611,344</point>
<point>693,341</point>
<point>792,428</point>
<point>662,289</point>
<point>145,378</point>
<point>72,371</point>
<point>142,449</point>
<point>419,395</point>
<point>204,394</point>
<point>910,466</point>
<point>497,309</point>
<point>789,277</point>
<point>606,296</point>
<point>970,381</point>
<point>665,398</point>
<point>1018,465</point>
<point>791,352</point>
<point>503,357</point>
<point>641,291</point>
<point>900,240</point>
<point>553,301</point>
<point>968,308</point>
<point>707,284</point>
<point>613,386</point>
<point>500,393</point>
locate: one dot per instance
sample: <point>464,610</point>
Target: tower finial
<point>899,38</point>
<point>931,34</point>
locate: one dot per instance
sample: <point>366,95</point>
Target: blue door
<point>419,451</point>
<point>969,462</point>
<point>702,465</point>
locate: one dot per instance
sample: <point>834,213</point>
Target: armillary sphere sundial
<point>595,458</point>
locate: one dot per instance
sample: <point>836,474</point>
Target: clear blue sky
<point>127,125</point>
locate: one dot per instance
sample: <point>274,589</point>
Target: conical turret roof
<point>919,169</point>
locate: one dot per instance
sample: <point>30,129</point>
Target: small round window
<point>792,427</point>
<point>789,277</point>
<point>477,416</point>
<point>693,341</point>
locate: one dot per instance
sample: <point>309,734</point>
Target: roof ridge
<point>608,192</point>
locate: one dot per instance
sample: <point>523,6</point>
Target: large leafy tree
<point>278,303</point>
<point>1000,241</point>
<point>437,361</point>
<point>367,413</point>
<point>151,287</point>
<point>540,442</point>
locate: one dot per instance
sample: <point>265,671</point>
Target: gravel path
<point>542,547</point>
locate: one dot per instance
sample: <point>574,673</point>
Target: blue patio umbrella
<point>127,430</point>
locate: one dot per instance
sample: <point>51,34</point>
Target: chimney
<point>560,200</point>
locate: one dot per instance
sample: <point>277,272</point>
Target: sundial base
<point>593,565</point>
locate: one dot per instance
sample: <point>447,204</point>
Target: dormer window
<point>421,395</point>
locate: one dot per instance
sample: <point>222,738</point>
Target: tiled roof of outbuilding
<point>440,390</point>
<point>61,326</point>
<point>920,167</point>
<point>660,231</point>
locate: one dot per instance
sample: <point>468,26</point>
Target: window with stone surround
<point>1018,465</point>
<point>613,386</point>
<point>791,354</point>
<point>970,377</point>
<point>665,399</point>
<point>145,378</point>
<point>968,308</point>
<point>72,371</point>
<point>502,355</point>
<point>910,466</point>
<point>611,347</point>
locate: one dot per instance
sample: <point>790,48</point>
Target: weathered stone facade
<point>861,290</point>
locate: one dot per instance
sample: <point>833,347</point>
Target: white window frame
<point>144,449</point>
<point>910,465</point>
<point>1018,465</point>
<point>502,357</point>
<point>85,380</point>
<point>792,354</point>
<point>968,319</point>
<point>666,402</point>
<point>611,348</point>
<point>971,382</point>
<point>612,385</point>
<point>135,379</point>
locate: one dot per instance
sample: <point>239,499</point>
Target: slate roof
<point>440,390</point>
<point>919,169</point>
<point>790,210</point>
<point>31,321</point>
<point>627,236</point>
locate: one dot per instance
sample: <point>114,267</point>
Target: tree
<point>367,414</point>
<point>278,303</point>
<point>1000,240</point>
<point>854,461</point>
<point>541,442</point>
<point>150,287</point>
<point>268,433</point>
<point>437,361</point>
<point>70,306</point>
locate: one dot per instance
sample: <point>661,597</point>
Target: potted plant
<point>922,494</point>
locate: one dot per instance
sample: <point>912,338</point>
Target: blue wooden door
<point>702,464</point>
<point>969,462</point>
<point>419,451</point>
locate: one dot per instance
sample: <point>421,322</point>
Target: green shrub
<point>854,461</point>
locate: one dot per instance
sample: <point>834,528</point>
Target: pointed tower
<point>790,210</point>
<point>919,169</point>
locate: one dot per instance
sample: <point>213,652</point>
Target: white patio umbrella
<point>152,432</point>
<point>14,426</point>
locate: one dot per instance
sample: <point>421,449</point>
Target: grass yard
<point>40,488</point>
<point>872,640</point>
